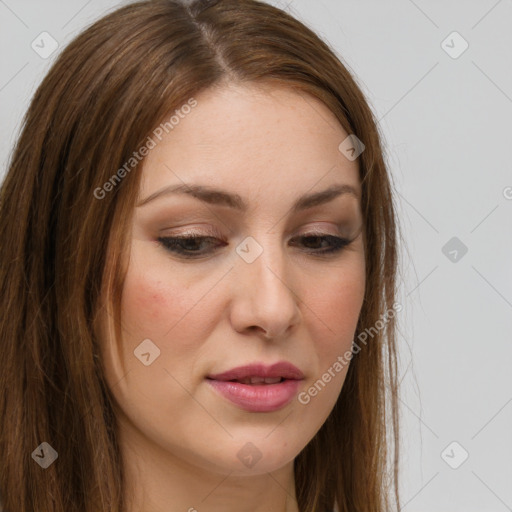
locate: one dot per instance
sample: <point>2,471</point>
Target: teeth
<point>260,380</point>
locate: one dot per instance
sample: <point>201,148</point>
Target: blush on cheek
<point>338,308</point>
<point>147,304</point>
<point>153,306</point>
<point>339,312</point>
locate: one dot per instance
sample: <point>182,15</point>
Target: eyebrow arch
<point>216,196</point>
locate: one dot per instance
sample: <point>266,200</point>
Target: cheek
<point>148,307</point>
<point>154,300</point>
<point>146,298</point>
<point>170,307</point>
<point>337,303</point>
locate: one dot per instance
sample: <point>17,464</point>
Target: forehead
<point>255,139</point>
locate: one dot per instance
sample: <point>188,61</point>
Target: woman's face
<point>259,287</point>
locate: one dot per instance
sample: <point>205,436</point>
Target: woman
<point>199,279</point>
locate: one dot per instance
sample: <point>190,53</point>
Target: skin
<point>179,438</point>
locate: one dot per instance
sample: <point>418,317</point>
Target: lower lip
<point>257,397</point>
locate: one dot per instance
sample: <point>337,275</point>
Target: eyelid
<point>339,229</point>
<point>313,231</point>
<point>191,231</point>
<point>343,230</point>
<point>322,230</point>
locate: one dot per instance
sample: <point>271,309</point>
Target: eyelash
<point>174,244</point>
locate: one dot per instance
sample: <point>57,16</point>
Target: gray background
<point>446,128</point>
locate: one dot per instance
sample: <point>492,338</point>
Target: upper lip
<point>281,369</point>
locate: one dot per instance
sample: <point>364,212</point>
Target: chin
<point>258,456</point>
<point>247,455</point>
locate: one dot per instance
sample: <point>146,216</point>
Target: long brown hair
<point>62,246</point>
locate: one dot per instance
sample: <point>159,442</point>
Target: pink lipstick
<point>258,388</point>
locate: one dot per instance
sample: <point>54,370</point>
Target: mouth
<point>258,388</point>
<point>258,373</point>
<point>257,380</point>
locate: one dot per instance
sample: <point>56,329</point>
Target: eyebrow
<point>216,196</point>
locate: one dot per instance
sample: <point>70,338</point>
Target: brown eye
<point>196,246</point>
<point>331,244</point>
<point>188,246</point>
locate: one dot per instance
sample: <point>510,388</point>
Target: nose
<point>263,295</point>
